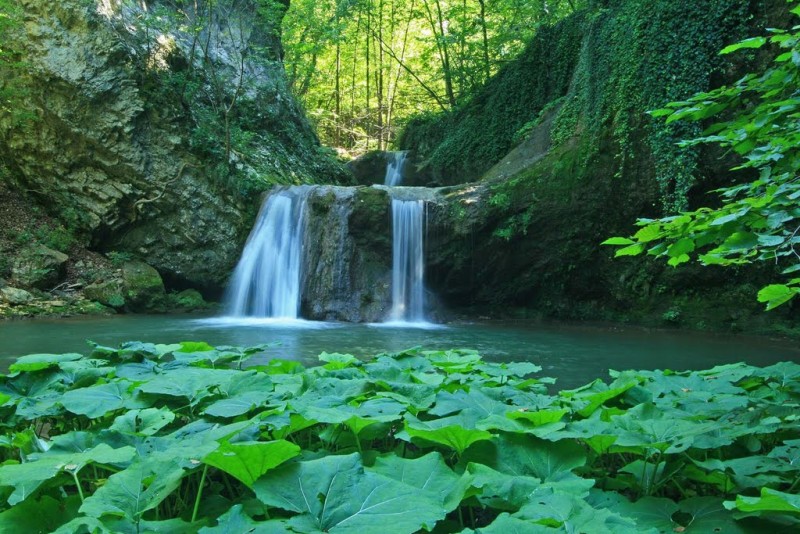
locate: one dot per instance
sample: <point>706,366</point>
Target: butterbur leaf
<point>770,502</point>
<point>526,456</point>
<point>45,514</point>
<point>338,361</point>
<point>336,494</point>
<point>238,404</point>
<point>132,492</point>
<point>37,362</point>
<point>428,473</point>
<point>446,431</point>
<point>96,401</point>
<point>249,460</point>
<point>143,422</point>
<point>236,520</point>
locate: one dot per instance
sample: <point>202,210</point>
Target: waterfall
<point>267,279</point>
<point>408,261</point>
<point>394,169</point>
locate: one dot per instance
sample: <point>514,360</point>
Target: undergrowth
<point>182,438</point>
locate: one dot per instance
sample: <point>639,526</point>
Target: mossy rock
<point>143,288</point>
<point>187,300</point>
<point>109,293</point>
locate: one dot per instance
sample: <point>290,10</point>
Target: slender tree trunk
<point>393,89</point>
<point>367,42</point>
<point>487,71</point>
<point>441,44</point>
<point>379,84</point>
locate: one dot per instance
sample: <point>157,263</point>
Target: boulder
<point>143,289</point>
<point>15,296</point>
<point>188,300</point>
<point>108,293</point>
<point>39,267</point>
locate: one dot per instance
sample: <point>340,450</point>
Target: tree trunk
<point>487,71</point>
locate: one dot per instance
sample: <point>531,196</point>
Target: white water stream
<point>267,279</point>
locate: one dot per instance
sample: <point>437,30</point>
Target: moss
<point>143,289</point>
<point>369,217</point>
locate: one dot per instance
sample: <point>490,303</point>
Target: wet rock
<point>39,267</point>
<point>15,296</point>
<point>348,270</point>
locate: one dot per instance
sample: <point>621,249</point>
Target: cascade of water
<point>266,282</point>
<point>408,261</point>
<point>394,169</point>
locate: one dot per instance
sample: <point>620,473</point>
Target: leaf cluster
<point>180,438</point>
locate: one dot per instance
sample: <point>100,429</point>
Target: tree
<point>757,220</point>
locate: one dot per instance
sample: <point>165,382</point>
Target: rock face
<point>348,255</point>
<point>110,147</point>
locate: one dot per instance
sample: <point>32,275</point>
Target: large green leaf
<point>97,401</point>
<point>132,492</point>
<point>448,431</point>
<point>769,502</point>
<point>143,422</point>
<point>335,494</point>
<point>235,521</point>
<point>45,514</point>
<point>238,404</point>
<point>501,491</point>
<point>27,477</point>
<point>428,473</point>
<point>247,461</point>
<point>37,362</point>
<point>528,456</point>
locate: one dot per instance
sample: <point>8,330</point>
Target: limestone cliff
<point>143,137</point>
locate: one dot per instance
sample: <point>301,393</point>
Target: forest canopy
<point>363,67</point>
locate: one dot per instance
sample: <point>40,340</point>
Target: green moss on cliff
<point>531,238</point>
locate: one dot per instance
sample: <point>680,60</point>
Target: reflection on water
<point>573,354</point>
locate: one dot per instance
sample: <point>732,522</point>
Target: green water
<point>573,354</point>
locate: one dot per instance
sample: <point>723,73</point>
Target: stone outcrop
<point>348,256</point>
<point>108,145</point>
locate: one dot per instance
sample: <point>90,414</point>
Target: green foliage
<point>758,220</point>
<point>180,438</point>
<point>362,68</point>
<point>605,66</point>
<point>468,140</point>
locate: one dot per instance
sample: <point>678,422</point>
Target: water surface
<point>573,354</point>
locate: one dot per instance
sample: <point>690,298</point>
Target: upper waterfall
<point>394,169</point>
<point>267,279</point>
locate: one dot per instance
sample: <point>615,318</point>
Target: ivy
<point>758,118</point>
